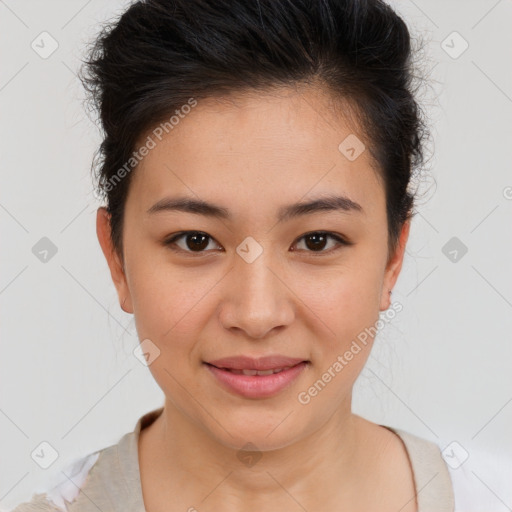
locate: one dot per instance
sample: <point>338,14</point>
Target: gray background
<point>441,369</point>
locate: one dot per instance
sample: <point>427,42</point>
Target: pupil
<point>196,236</point>
<point>317,237</point>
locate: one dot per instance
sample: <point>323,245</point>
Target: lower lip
<point>257,386</point>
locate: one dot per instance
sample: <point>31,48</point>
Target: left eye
<point>318,239</point>
<point>197,241</point>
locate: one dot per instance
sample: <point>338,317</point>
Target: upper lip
<point>262,363</point>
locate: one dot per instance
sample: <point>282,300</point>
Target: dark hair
<point>159,54</point>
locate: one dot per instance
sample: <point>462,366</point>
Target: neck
<point>188,460</point>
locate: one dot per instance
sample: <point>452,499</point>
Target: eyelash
<point>172,240</point>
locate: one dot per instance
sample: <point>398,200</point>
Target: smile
<point>251,383</point>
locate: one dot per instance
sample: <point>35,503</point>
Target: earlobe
<point>124,307</point>
<point>394,267</point>
<point>114,260</point>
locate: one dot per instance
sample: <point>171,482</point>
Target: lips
<point>256,384</point>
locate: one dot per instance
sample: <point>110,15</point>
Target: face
<point>251,280</point>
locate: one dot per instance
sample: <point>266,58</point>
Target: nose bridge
<point>258,301</point>
<point>256,277</point>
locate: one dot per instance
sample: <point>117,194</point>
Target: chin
<point>265,431</point>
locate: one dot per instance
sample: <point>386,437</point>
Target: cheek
<point>170,304</point>
<point>170,312</point>
<point>346,298</point>
<point>346,308</point>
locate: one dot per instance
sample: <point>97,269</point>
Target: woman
<point>256,168</point>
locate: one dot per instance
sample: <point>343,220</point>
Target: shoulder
<point>481,477</point>
<point>65,487</point>
<point>39,503</point>
<point>434,489</point>
<point>98,480</point>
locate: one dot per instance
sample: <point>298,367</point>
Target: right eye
<point>194,242</point>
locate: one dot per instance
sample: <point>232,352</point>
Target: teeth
<point>248,372</point>
<point>257,372</point>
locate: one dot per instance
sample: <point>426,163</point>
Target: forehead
<point>258,147</point>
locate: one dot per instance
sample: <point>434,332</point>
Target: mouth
<point>256,384</point>
<point>274,362</point>
<point>252,373</point>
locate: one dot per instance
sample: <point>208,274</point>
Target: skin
<point>253,153</point>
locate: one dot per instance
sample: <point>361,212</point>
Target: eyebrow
<point>200,207</point>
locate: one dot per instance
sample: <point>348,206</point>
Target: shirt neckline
<point>432,490</point>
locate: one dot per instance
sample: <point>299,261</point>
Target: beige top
<point>109,479</point>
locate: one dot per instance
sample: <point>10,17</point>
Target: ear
<point>114,261</point>
<point>393,267</point>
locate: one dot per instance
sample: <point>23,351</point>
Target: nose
<point>257,298</point>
